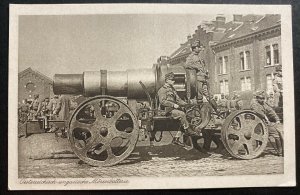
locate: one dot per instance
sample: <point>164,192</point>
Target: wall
<point>42,86</point>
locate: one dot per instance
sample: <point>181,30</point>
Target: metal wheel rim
<point>97,137</point>
<point>251,142</point>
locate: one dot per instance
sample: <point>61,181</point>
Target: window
<point>268,56</point>
<point>224,87</point>
<point>245,83</point>
<point>223,64</point>
<point>245,60</point>
<point>248,61</point>
<point>220,65</point>
<point>275,54</point>
<point>272,55</point>
<point>269,83</point>
<point>242,61</point>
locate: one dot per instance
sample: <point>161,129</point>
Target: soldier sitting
<point>261,107</point>
<point>171,102</point>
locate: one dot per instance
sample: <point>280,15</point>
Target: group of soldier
<point>172,103</point>
<point>56,108</point>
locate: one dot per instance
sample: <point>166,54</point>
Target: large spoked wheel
<point>244,134</point>
<point>103,131</point>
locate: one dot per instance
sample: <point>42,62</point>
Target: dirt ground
<point>44,156</point>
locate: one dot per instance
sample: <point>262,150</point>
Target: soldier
<point>271,100</point>
<point>52,104</point>
<point>45,107</point>
<point>222,103</point>
<point>195,62</point>
<point>236,103</point>
<point>63,107</point>
<point>277,86</point>
<point>45,112</point>
<point>171,102</point>
<point>24,111</point>
<point>258,105</point>
<point>35,106</point>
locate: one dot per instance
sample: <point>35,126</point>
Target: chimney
<point>237,18</point>
<point>220,21</point>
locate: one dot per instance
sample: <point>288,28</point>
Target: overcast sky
<point>73,44</point>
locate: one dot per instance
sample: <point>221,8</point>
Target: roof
<point>28,70</point>
<point>248,24</point>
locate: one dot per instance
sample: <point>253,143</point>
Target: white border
<point>286,179</point>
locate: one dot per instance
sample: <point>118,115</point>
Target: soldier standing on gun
<point>195,62</point>
<point>171,102</point>
<point>262,108</point>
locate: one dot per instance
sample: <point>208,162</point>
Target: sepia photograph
<point>150,96</point>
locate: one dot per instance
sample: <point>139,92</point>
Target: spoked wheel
<point>103,131</point>
<point>244,134</point>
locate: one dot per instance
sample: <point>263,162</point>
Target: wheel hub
<point>103,131</point>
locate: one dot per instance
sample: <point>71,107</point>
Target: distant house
<point>32,82</point>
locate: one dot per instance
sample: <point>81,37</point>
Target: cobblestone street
<point>162,160</point>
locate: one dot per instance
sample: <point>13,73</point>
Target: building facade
<point>246,57</point>
<point>32,82</point>
<point>241,55</point>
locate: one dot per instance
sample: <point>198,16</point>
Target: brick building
<point>241,54</point>
<point>32,82</point>
<point>246,56</point>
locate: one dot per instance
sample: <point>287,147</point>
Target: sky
<point>74,44</point>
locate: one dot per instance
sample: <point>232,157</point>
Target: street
<point>45,156</point>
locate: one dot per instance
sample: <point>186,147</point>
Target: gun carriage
<point>104,129</point>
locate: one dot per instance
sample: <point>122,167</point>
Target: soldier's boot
<point>279,146</point>
<point>188,142</point>
<point>176,141</point>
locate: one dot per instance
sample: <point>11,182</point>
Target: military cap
<point>278,69</point>
<point>196,44</point>
<point>169,76</point>
<point>260,94</point>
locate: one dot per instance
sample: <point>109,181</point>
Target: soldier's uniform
<point>277,87</point>
<point>263,109</point>
<point>170,102</point>
<point>235,103</point>
<point>195,62</point>
<point>35,107</point>
<point>168,97</point>
<point>222,104</point>
<point>271,100</point>
<point>52,104</point>
<point>45,107</point>
<point>24,111</point>
<point>63,107</point>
